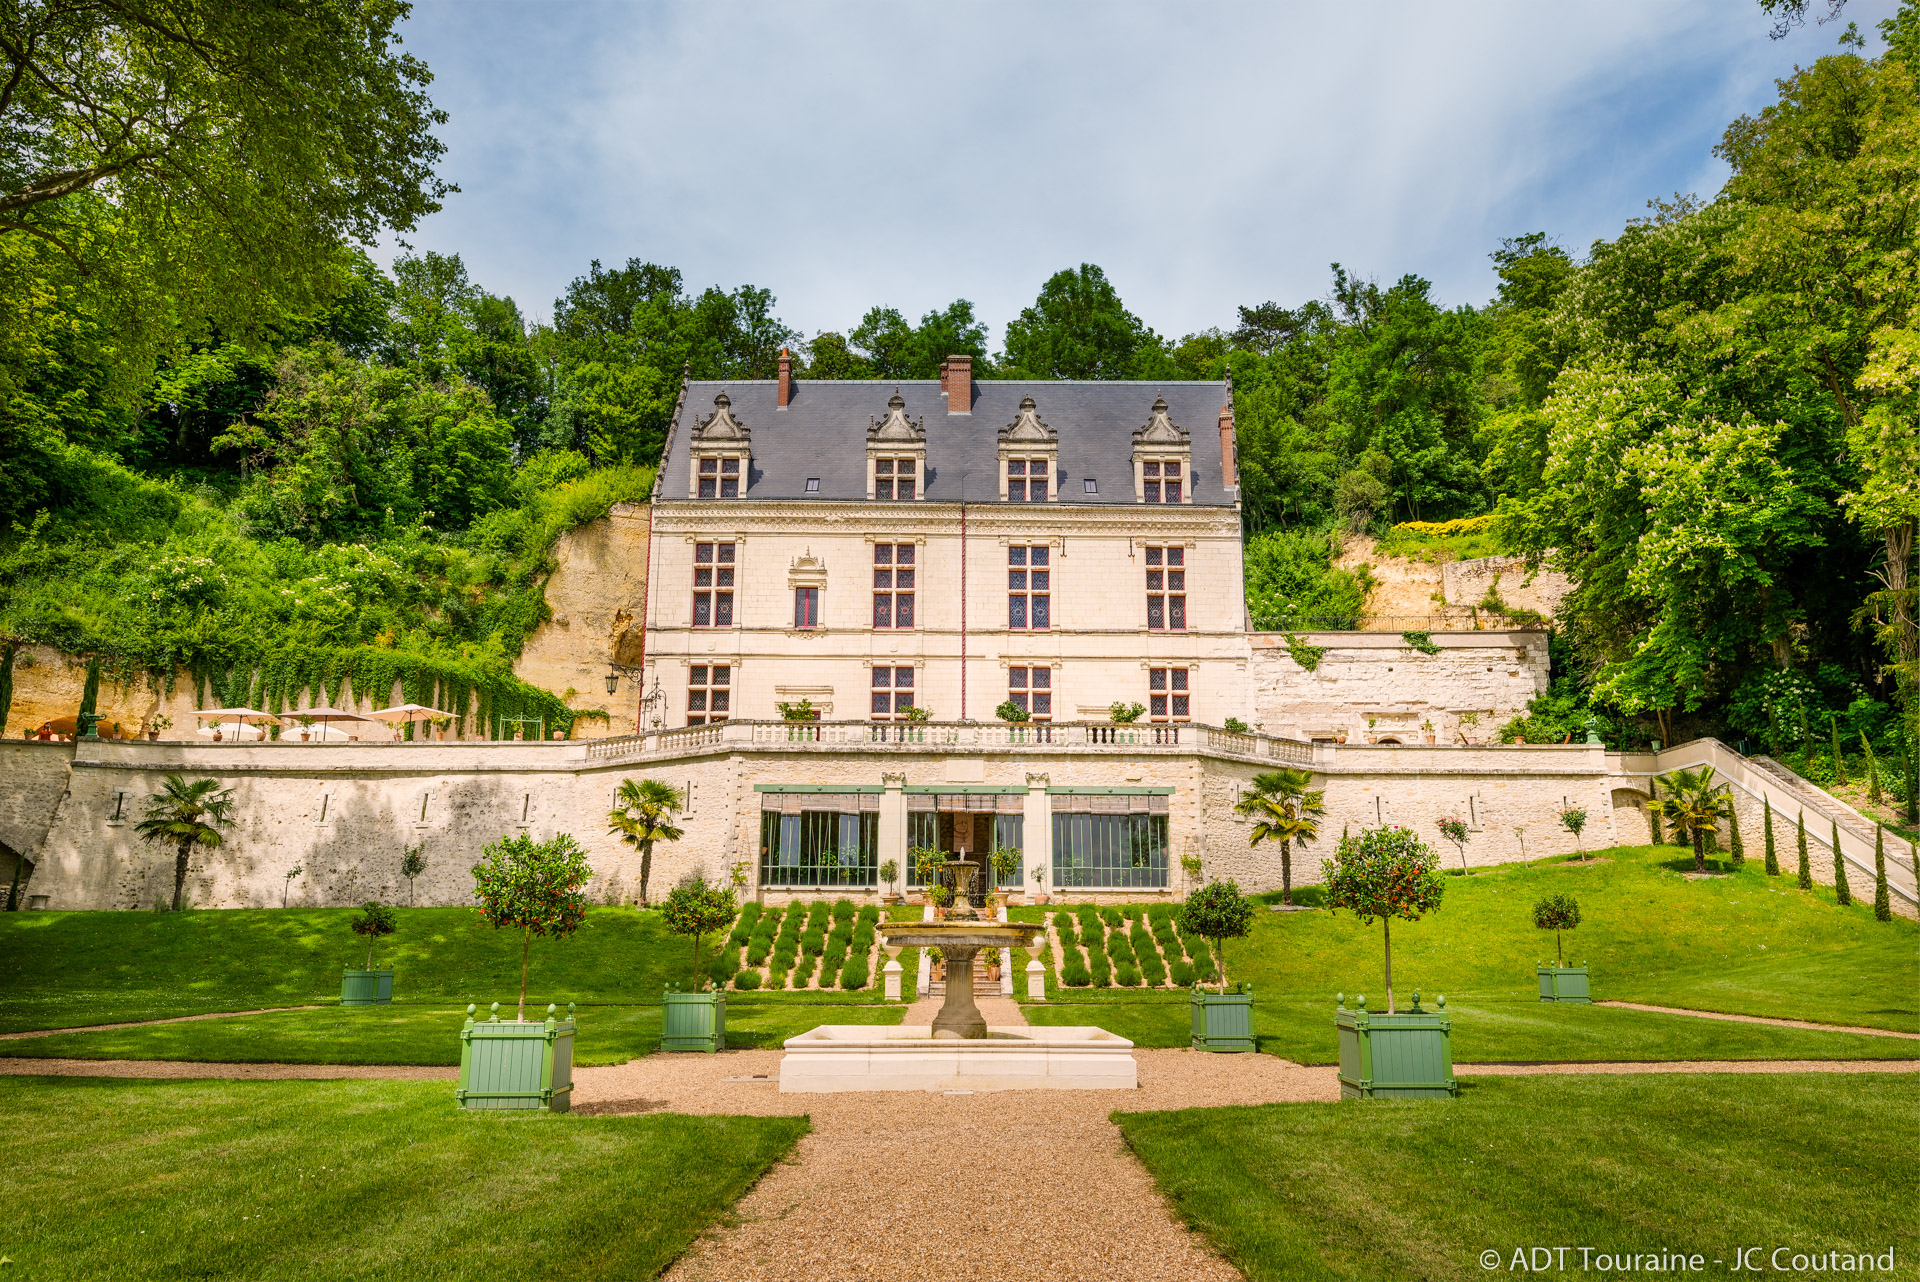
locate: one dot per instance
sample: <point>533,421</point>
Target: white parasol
<point>239,717</point>
<point>406,713</point>
<point>326,716</point>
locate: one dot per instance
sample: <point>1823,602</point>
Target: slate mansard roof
<point>823,433</point>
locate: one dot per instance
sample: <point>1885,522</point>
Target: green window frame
<point>820,848</point>
<point>1109,851</point>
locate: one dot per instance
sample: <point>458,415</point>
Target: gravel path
<point>1761,1019</point>
<point>142,1023</point>
<point>1043,1173</point>
<point>189,1068</point>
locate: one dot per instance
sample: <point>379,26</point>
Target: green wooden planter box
<point>1222,1021</point>
<point>1564,984</point>
<point>694,1021</point>
<point>511,1063</point>
<point>1406,1055</point>
<point>366,987</point>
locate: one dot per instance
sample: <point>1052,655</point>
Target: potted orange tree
<point>1222,1021</point>
<point>369,987</point>
<point>1560,982</point>
<point>1390,873</point>
<point>537,888</point>
<point>696,1019</point>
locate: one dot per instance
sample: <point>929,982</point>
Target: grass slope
<point>1745,943</point>
<point>1495,1032</point>
<point>59,970</point>
<point>425,1034</point>
<point>1420,1188</point>
<point>356,1180</point>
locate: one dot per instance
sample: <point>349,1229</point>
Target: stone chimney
<point>786,379</point>
<point>956,380</point>
<point>1229,466</point>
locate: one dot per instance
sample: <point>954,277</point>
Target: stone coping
<point>833,1058</point>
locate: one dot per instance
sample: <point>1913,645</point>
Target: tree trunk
<point>1220,955</point>
<point>369,952</point>
<point>1559,957</point>
<point>1386,935</point>
<point>1286,872</point>
<point>646,869</point>
<point>180,872</point>
<point>13,891</point>
<point>698,986</point>
<point>526,946</point>
<point>1699,850</point>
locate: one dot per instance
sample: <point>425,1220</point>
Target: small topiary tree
<point>1455,830</point>
<point>374,922</point>
<point>1842,892</point>
<point>1773,856</point>
<point>1385,873</point>
<point>1735,845</point>
<point>1218,912</point>
<point>1556,913</point>
<point>412,864</point>
<point>696,909</point>
<point>535,887</point>
<point>1573,819</point>
<point>1806,865</point>
<point>1005,862</point>
<point>1882,901</point>
<point>929,865</point>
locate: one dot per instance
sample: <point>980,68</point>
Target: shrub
<point>1119,948</point>
<point>1181,972</point>
<point>1074,973</point>
<point>1127,975</point>
<point>1092,932</point>
<point>1157,913</point>
<point>802,972</point>
<point>843,910</point>
<point>744,928</point>
<point>1112,916</point>
<point>854,974</point>
<point>1219,912</point>
<point>375,922</point>
<point>1063,922</point>
<point>1097,963</point>
<point>1556,913</point>
<point>747,980</point>
<point>1152,969</point>
<point>720,970</point>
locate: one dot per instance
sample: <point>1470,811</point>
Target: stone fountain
<point>959,1050</point>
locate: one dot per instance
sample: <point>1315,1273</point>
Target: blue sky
<point>845,155</point>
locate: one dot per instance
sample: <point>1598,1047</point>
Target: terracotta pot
<point>153,735</point>
<point>1519,739</point>
<point>1429,738</point>
<point>304,736</point>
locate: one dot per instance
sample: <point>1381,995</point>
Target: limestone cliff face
<point>1449,594</point>
<point>594,594</point>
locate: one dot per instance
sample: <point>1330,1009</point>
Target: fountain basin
<point>909,1057</point>
<point>958,941</point>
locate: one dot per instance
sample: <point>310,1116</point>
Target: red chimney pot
<point>956,379</point>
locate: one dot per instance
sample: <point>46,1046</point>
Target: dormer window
<point>1162,459</point>
<point>720,478</point>
<point>720,454</point>
<point>896,454</point>
<point>1028,480</point>
<point>895,478</point>
<point>1029,453</point>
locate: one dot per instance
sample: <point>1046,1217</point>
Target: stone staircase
<point>981,984</point>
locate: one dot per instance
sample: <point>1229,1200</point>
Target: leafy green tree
<point>1556,913</point>
<point>1573,819</point>
<point>1806,865</point>
<point>535,887</point>
<point>1842,892</point>
<point>186,815</point>
<point>828,356</point>
<point>642,814</point>
<point>696,909</point>
<point>1695,805</point>
<point>1286,809</point>
<point>1217,912</point>
<point>1773,857</point>
<point>1455,830</point>
<point>373,922</point>
<point>412,863</point>
<point>1385,873</point>
<point>1077,328</point>
<point>1882,900</point>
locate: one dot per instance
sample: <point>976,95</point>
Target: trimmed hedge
<point>1181,972</point>
<point>747,980</point>
<point>1152,969</point>
<point>1074,974</point>
<point>1127,975</point>
<point>854,974</point>
<point>1097,963</point>
<point>743,928</point>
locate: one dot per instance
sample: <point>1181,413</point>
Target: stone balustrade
<point>950,736</point>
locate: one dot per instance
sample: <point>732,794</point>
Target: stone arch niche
<point>1631,826</point>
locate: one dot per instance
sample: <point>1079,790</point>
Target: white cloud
<point>852,154</point>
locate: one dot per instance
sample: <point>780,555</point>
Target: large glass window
<point>713,585</point>
<point>1112,852</point>
<point>720,478</point>
<point>709,693</point>
<point>892,693</point>
<point>1161,481</point>
<point>1167,588</point>
<point>1027,480</point>
<point>1029,587</point>
<point>819,848</point>
<point>893,585</point>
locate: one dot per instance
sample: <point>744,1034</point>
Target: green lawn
<point>1419,1189</point>
<point>426,1034</point>
<point>1492,1031</point>
<point>1747,943</point>
<point>58,970</point>
<point>356,1180</point>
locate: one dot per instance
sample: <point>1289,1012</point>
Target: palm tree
<point>642,814</point>
<point>185,814</point>
<point>1289,811</point>
<point>1695,805</point>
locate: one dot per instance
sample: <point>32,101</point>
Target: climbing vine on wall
<point>1307,656</point>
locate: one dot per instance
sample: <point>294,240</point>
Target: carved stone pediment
<point>1027,429</point>
<point>721,427</point>
<point>896,428</point>
<point>1160,430</point>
